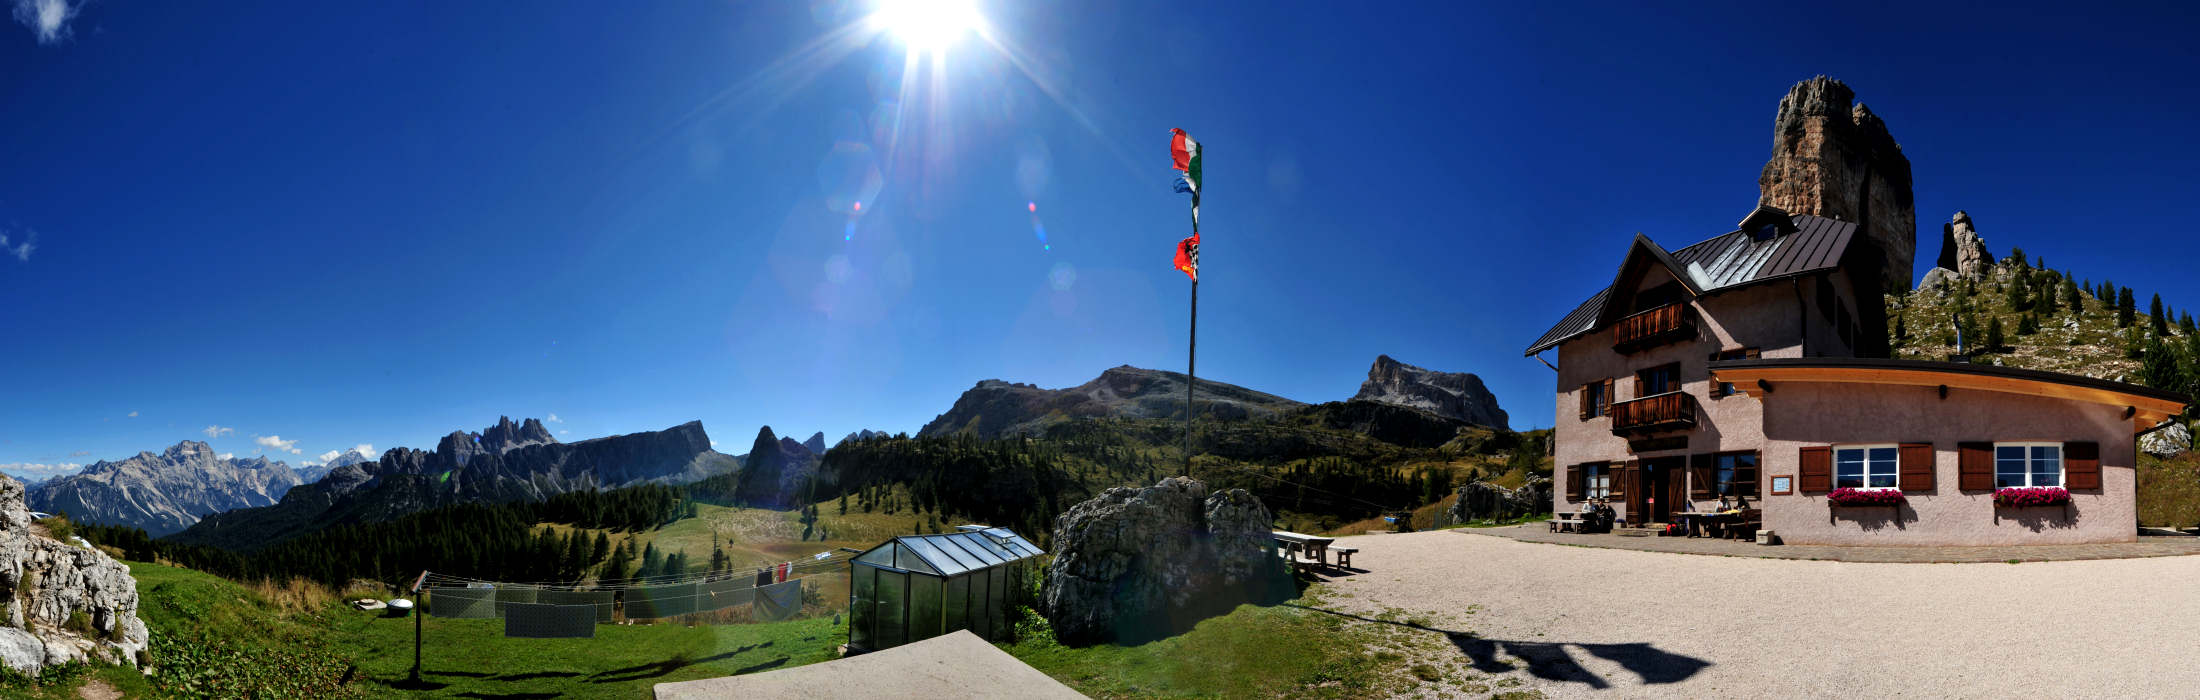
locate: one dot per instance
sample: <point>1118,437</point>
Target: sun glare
<point>926,25</point>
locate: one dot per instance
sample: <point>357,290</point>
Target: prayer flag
<point>1187,257</point>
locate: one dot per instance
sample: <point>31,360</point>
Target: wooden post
<point>419,611</point>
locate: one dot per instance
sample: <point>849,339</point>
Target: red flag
<point>1187,257</point>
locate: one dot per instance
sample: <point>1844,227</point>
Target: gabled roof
<point>1729,261</point>
<point>953,553</point>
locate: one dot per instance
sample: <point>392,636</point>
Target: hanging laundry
<point>778,601</point>
<point>462,603</point>
<point>507,595</point>
<point>600,600</point>
<point>719,595</point>
<point>542,621</point>
<point>763,577</point>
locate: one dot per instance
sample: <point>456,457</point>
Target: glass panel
<point>963,557</point>
<point>863,594</point>
<point>1725,478</point>
<point>924,607</point>
<point>893,591</point>
<point>996,608</point>
<point>1848,469</point>
<point>998,553</point>
<point>882,555</point>
<point>941,563</point>
<point>906,558</point>
<point>2009,466</point>
<point>1883,467</point>
<point>978,622</point>
<point>970,543</point>
<point>2009,452</point>
<point>2047,465</point>
<point>957,603</point>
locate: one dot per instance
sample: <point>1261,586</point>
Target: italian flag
<point>1185,152</point>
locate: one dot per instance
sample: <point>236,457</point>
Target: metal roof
<point>952,553</point>
<point>1728,261</point>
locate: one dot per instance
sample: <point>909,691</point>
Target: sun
<point>926,25</point>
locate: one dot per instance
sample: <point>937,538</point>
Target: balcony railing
<point>1648,329</point>
<point>1672,410</point>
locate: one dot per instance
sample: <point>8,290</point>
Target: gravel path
<point>1575,621</point>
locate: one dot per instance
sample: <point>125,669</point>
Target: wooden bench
<point>1304,550</point>
<point>1566,524</point>
<point>1344,556</point>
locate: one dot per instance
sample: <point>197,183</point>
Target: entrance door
<point>1661,484</point>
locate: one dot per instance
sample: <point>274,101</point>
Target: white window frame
<point>1596,480</point>
<point>1838,449</point>
<point>2062,463</point>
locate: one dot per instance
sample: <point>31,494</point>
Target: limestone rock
<point>2167,442</point>
<point>1963,250</point>
<point>1836,160</point>
<point>1455,395</point>
<point>1132,563</point>
<point>1939,278</point>
<point>46,583</point>
<point>1482,500</point>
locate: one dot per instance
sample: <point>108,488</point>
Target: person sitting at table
<point>1597,517</point>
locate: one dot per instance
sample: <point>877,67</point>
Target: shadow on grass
<point>660,668</point>
<point>510,696</point>
<point>537,674</point>
<point>1551,661</point>
<point>766,666</point>
<point>467,674</point>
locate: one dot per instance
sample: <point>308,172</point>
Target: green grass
<point>1253,652</point>
<point>2169,490</point>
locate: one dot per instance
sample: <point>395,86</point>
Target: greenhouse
<point>916,587</point>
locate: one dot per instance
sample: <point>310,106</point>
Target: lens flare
<point>1032,207</point>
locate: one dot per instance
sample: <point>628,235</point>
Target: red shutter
<point>1917,466</point>
<point>1814,470</point>
<point>1576,478</point>
<point>1975,466</point>
<point>2082,465</point>
<point>1703,473</point>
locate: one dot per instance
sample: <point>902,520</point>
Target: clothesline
<point>810,566</point>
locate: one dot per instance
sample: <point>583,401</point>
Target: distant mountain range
<point>349,457</point>
<point>165,492</point>
<point>506,462</point>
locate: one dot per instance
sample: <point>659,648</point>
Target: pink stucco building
<point>1751,366</point>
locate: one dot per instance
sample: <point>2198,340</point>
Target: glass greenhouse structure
<point>916,587</point>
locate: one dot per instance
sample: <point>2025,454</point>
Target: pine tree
<point>2027,325</point>
<point>1993,335</point>
<point>2184,324</point>
<point>2158,369</point>
<point>2154,312</point>
<point>1901,331</point>
<point>576,556</point>
<point>2020,293</point>
<point>602,548</point>
<point>843,503</point>
<point>652,563</point>
<point>2124,308</point>
<point>2070,296</point>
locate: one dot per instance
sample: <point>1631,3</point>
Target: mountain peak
<point>1456,395</point>
<point>996,408</point>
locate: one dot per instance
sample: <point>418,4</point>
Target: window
<point>1723,389</point>
<point>1658,380</point>
<point>1661,295</point>
<point>1865,467</point>
<point>1737,474</point>
<point>2027,464</point>
<point>1596,480</point>
<point>1595,400</point>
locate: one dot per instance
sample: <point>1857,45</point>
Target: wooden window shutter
<point>1586,400</point>
<point>1975,466</point>
<point>2082,465</point>
<point>1916,466</point>
<point>1703,475</point>
<point>1576,478</point>
<point>1606,407</point>
<point>1620,478</point>
<point>1814,470</point>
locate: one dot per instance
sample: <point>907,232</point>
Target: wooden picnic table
<point>1700,522</point>
<point>1304,545</point>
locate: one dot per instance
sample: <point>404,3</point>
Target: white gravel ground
<point>1583,621</point>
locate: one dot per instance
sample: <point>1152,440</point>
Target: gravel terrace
<point>1567,621</point>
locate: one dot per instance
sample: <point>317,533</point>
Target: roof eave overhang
<point>2147,406</point>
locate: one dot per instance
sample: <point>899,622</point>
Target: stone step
<point>1636,531</point>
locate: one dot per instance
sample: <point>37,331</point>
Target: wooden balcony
<point>1649,329</point>
<point>1672,410</point>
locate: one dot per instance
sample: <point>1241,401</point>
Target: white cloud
<point>80,453</point>
<point>277,442</point>
<point>554,418</point>
<point>562,432</point>
<point>310,463</point>
<point>39,472</point>
<point>326,457</point>
<point>215,431</point>
<point>227,455</point>
<point>367,448</point>
<point>297,451</point>
<point>49,19</point>
<point>133,414</point>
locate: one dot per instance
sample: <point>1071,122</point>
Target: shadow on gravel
<point>1550,660</point>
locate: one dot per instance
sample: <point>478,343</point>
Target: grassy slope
<point>2086,342</point>
<point>2169,490</point>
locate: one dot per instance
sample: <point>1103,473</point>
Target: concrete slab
<point>958,665</point>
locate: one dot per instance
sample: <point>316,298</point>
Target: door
<point>1663,488</point>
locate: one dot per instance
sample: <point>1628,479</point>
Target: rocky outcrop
<point>349,457</point>
<point>816,443</point>
<point>1937,278</point>
<point>1137,564</point>
<point>864,434</point>
<point>2167,442</point>
<point>1962,250</point>
<point>64,602</point>
<point>1456,395</point>
<point>513,463</point>
<point>1835,159</point>
<point>996,408</point>
<point>1482,500</point>
<point>166,492</point>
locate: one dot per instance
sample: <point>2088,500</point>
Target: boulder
<point>48,584</point>
<point>1482,500</point>
<point>2167,442</point>
<point>1137,564</point>
<point>1939,278</point>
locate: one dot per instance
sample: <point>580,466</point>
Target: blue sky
<point>381,222</point>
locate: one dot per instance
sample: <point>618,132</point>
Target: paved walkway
<point>954,665</point>
<point>2170,546</point>
<point>1502,614</point>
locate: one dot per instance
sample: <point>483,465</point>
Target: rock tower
<point>1835,159</point>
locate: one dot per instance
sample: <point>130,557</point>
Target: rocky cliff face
<point>996,408</point>
<point>64,602</point>
<point>1962,250</point>
<point>519,463</point>
<point>816,443</point>
<point>1455,395</point>
<point>348,458</point>
<point>165,492</point>
<point>1835,159</point>
<point>1136,564</point>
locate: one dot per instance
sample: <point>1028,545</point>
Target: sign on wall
<point>1783,485</point>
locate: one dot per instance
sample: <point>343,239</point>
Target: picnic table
<point>1303,548</point>
<point>1566,521</point>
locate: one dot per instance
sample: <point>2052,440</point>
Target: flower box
<point>2021,496</point>
<point>1865,497</point>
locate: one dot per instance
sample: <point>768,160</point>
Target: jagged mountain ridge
<point>166,492</point>
<point>504,465</point>
<point>1455,395</point>
<point>349,457</point>
<point>995,408</point>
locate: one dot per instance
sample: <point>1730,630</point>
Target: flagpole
<point>1191,353</point>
